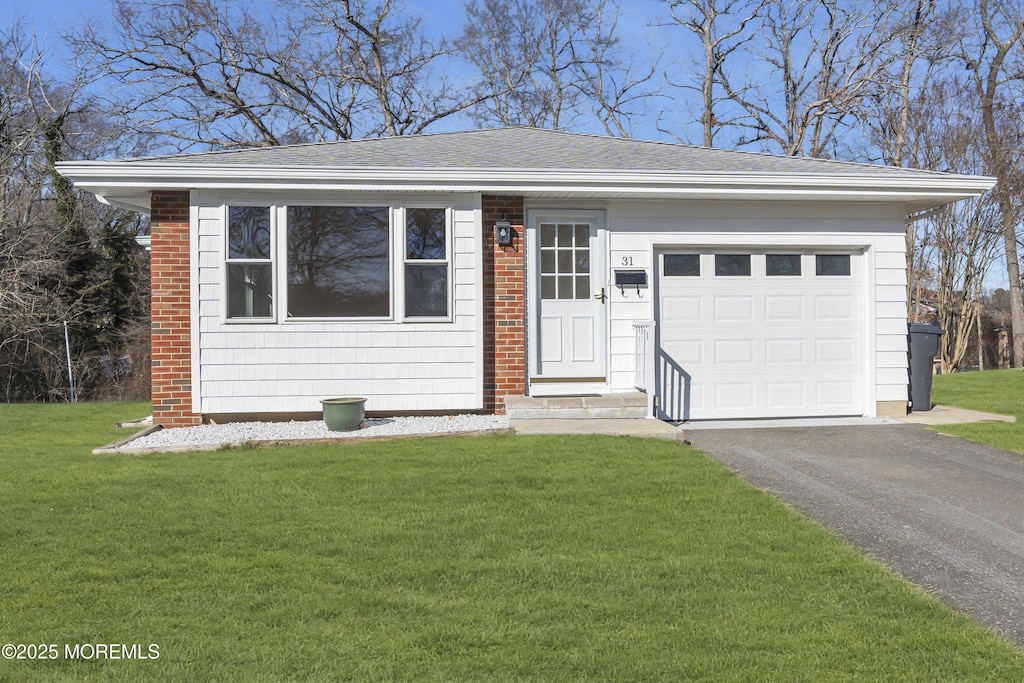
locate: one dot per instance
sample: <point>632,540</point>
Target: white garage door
<point>759,335</point>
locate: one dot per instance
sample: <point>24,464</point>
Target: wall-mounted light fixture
<point>503,233</point>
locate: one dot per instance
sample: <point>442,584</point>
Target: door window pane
<point>547,235</point>
<point>338,261</point>
<point>832,264</point>
<point>681,265</point>
<point>782,264</point>
<point>732,265</point>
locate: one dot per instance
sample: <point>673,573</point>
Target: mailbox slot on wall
<point>631,278</point>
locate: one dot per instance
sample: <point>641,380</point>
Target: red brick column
<point>171,337</point>
<point>504,305</point>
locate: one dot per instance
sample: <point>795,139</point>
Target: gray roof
<point>524,148</point>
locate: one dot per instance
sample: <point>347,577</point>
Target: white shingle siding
<point>636,228</point>
<point>289,366</point>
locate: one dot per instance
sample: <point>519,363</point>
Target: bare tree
<point>721,26</point>
<point>551,63</point>
<point>218,73</point>
<point>965,238</point>
<point>993,60</point>
<point>818,58</point>
<point>63,259</point>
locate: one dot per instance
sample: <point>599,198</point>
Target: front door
<point>568,287</point>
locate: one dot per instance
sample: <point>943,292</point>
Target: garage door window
<point>776,265</point>
<point>681,265</point>
<point>832,264</point>
<point>732,265</point>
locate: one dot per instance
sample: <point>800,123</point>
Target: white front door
<point>567,286</point>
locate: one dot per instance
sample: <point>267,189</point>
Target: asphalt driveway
<point>945,513</point>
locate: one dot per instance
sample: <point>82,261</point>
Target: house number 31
<point>627,260</point>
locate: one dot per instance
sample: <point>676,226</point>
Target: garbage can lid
<point>924,328</point>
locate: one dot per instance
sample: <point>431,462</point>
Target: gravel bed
<point>237,433</point>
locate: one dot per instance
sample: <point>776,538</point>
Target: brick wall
<point>504,305</point>
<point>170,311</point>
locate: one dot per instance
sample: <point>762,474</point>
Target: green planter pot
<point>343,414</point>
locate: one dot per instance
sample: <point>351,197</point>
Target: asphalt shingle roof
<point>525,148</point>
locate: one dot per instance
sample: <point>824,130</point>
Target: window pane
<point>565,287</point>
<point>564,235</point>
<point>583,261</point>
<point>249,232</point>
<point>250,290</point>
<point>583,236</point>
<point>426,290</point>
<point>547,235</point>
<point>681,265</point>
<point>732,264</point>
<point>547,287</point>
<point>782,264</point>
<point>547,262</point>
<point>564,261</point>
<point>338,261</point>
<point>425,234</point>
<point>582,287</point>
<point>832,264</point>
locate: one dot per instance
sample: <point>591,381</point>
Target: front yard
<point>992,391</point>
<point>459,558</point>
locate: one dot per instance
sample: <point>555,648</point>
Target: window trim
<point>227,262</point>
<point>399,217</point>
<point>396,258</point>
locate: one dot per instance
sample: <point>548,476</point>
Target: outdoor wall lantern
<point>503,233</point>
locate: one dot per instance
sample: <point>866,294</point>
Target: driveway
<point>945,513</point>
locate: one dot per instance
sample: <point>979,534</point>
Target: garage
<point>752,333</point>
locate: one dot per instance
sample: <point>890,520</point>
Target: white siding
<point>636,229</point>
<point>289,366</point>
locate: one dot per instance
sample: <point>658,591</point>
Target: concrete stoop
<point>630,405</point>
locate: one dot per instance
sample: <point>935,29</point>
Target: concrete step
<point>628,405</point>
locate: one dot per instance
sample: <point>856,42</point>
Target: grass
<point>464,558</point>
<point>992,391</point>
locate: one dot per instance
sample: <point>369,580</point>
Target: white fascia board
<point>924,187</point>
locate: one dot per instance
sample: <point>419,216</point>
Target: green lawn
<point>992,391</point>
<point>466,558</point>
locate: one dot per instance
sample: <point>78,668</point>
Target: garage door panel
<point>786,394</point>
<point>683,309</point>
<point>784,351</point>
<point>834,308</point>
<point>761,346</point>
<point>836,394</point>
<point>735,395</point>
<point>734,352</point>
<point>734,308</point>
<point>783,308</point>
<point>835,351</point>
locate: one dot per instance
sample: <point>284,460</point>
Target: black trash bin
<point>924,344</point>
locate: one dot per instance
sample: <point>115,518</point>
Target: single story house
<point>446,272</point>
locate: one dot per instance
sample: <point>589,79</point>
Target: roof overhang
<point>128,184</point>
